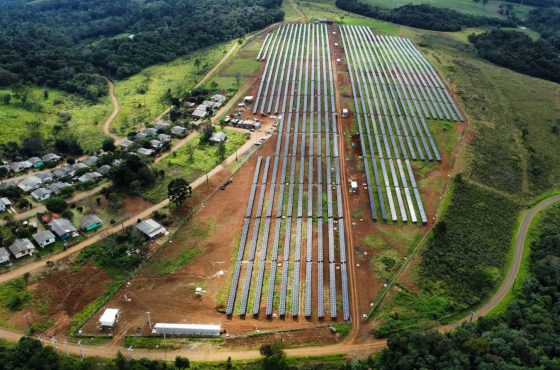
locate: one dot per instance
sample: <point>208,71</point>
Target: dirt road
<point>116,110</point>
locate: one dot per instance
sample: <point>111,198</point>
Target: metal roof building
<point>194,330</point>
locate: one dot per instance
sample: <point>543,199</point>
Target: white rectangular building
<point>189,330</point>
<point>109,318</point>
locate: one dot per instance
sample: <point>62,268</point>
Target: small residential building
<point>46,176</point>
<point>91,160</point>
<point>57,187</point>
<point>5,204</point>
<point>44,238</point>
<point>219,98</point>
<point>126,144</point>
<point>199,113</point>
<point>51,157</point>
<point>90,176</point>
<point>210,103</point>
<point>150,131</point>
<point>90,222</point>
<point>36,162</point>
<point>140,136</point>
<point>4,255</point>
<point>150,228</point>
<point>62,228</point>
<point>60,172</point>
<point>19,166</point>
<point>21,248</point>
<point>162,126</point>
<point>146,152</point>
<point>156,144</point>
<point>41,194</point>
<point>178,131</point>
<point>104,170</point>
<point>109,318</point>
<point>78,166</point>
<point>30,183</point>
<point>249,124</point>
<point>218,137</point>
<point>164,138</point>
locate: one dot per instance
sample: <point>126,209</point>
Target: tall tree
<point>178,191</point>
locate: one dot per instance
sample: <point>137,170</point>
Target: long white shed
<point>194,330</point>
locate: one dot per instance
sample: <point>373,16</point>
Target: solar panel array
<point>395,91</point>
<point>299,190</point>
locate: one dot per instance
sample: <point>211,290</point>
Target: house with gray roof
<point>90,222</point>
<point>164,138</point>
<point>5,204</point>
<point>150,228</point>
<point>140,136</point>
<point>156,144</point>
<point>60,172</point>
<point>91,160</point>
<point>218,137</point>
<point>62,228</point>
<point>21,248</point>
<point>162,126</point>
<point>150,131</point>
<point>58,186</point>
<point>44,238</point>
<point>104,170</point>
<point>178,131</point>
<point>41,194</point>
<point>126,144</point>
<point>30,183</point>
<point>19,166</point>
<point>146,152</point>
<point>90,176</point>
<point>36,162</point>
<point>45,176</point>
<point>51,157</point>
<point>4,255</point>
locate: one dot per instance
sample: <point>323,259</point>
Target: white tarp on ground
<point>109,317</point>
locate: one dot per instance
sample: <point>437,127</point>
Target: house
<point>57,187</point>
<point>178,131</point>
<point>146,152</point>
<point>162,126</point>
<point>218,137</point>
<point>62,228</point>
<point>21,248</point>
<point>126,144</point>
<point>150,131</point>
<point>150,228</point>
<point>140,136</point>
<point>5,204</point>
<point>104,170</point>
<point>200,112</point>
<point>4,255</point>
<point>36,162</point>
<point>164,138</point>
<point>77,166</point>
<point>51,157</point>
<point>18,166</point>
<point>249,124</point>
<point>60,172</point>
<point>46,176</point>
<point>41,194</point>
<point>90,222</point>
<point>156,144</point>
<point>91,160</point>
<point>90,176</point>
<point>219,98</point>
<point>44,238</point>
<point>30,183</point>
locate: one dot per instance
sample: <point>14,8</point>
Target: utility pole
<point>131,350</point>
<point>81,349</point>
<point>66,346</point>
<point>149,320</point>
<point>27,319</point>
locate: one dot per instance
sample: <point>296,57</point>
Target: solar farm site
<point>295,256</point>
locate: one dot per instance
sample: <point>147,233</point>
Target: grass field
<point>85,121</point>
<point>140,95</point>
<point>461,6</point>
<point>204,158</point>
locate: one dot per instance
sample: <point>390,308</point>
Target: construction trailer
<point>109,318</point>
<point>187,330</point>
<point>344,113</point>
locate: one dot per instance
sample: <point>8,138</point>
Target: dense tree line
<point>422,16</point>
<point>525,336</point>
<point>547,23</point>
<point>517,51</point>
<point>540,3</point>
<point>74,44</point>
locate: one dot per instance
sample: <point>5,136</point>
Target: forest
<point>525,336</point>
<point>76,45</point>
<point>422,16</point>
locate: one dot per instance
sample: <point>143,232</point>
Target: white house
<point>5,204</point>
<point>44,238</point>
<point>150,228</point>
<point>21,248</point>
